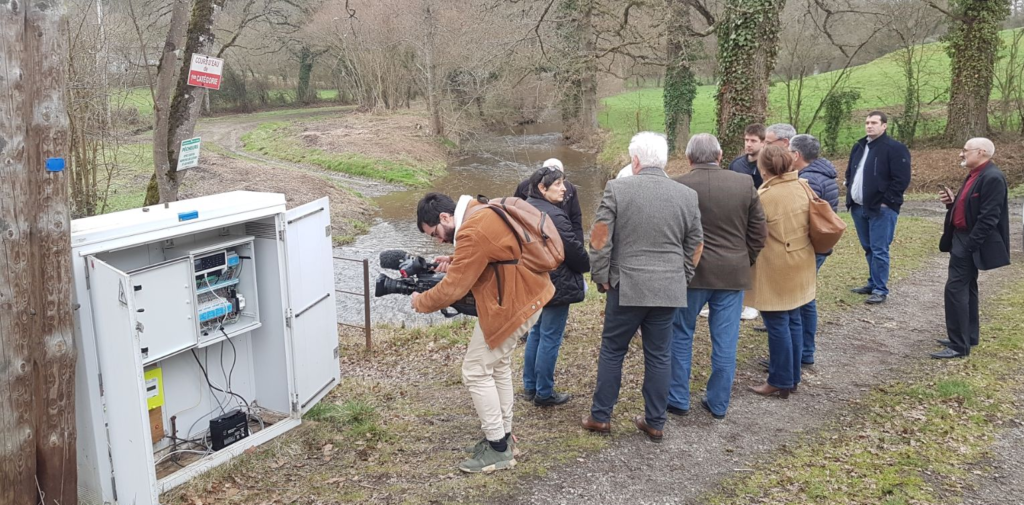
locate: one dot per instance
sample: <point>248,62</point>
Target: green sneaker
<point>489,460</point>
<point>473,449</point>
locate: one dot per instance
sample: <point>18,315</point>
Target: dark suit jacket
<point>886,176</point>
<point>570,205</point>
<point>988,220</point>
<point>734,227</point>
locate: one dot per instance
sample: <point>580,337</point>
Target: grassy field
<point>129,181</point>
<point>627,113</point>
<point>393,430</point>
<point>141,99</point>
<point>912,441</point>
<point>280,140</point>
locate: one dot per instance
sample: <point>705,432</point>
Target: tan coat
<point>784,276</point>
<point>506,295</point>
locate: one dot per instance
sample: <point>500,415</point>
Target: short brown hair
<point>774,161</point>
<point>754,129</point>
<point>881,116</point>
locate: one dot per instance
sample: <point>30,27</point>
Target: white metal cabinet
<point>128,279</point>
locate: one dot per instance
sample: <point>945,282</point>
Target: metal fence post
<point>366,303</point>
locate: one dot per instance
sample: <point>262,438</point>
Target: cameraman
<point>509,299</point>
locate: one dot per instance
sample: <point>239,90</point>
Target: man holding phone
<point>977,237</point>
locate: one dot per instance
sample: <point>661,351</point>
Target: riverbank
<point>305,154</point>
<point>392,432</point>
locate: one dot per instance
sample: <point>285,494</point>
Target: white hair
<point>650,148</point>
<point>985,144</point>
<point>703,148</point>
<point>554,162</point>
<point>782,130</point>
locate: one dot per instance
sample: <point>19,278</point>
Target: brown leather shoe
<point>592,425</point>
<point>770,390</point>
<point>653,434</point>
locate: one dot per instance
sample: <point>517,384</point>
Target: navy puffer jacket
<point>821,177</point>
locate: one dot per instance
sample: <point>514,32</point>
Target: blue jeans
<point>542,350</point>
<point>809,319</point>
<point>785,345</point>
<point>724,321</point>
<point>875,231</point>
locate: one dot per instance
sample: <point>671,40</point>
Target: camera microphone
<point>392,259</point>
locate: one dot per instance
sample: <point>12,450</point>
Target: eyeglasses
<point>965,151</point>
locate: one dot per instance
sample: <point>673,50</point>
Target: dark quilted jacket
<point>568,277</point>
<point>821,176</point>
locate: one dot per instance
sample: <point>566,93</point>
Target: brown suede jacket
<point>506,295</point>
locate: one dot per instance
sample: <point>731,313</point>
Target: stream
<point>492,166</point>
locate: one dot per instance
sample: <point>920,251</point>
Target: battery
<point>228,429</point>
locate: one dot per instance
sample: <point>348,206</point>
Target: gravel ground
<point>860,349</point>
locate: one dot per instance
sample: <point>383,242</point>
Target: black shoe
<point>678,411</point>
<point>704,403</point>
<point>863,290</point>
<point>761,328</point>
<point>556,398</point>
<point>765,363</point>
<point>875,299</point>
<point>804,364</point>
<point>947,353</point>
<point>529,395</point>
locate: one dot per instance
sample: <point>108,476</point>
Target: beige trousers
<point>488,375</point>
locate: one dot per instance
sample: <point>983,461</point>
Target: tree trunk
<point>37,352</point>
<point>433,101</point>
<point>748,43</point>
<point>47,122</point>
<point>680,82</point>
<point>185,105</point>
<point>164,85</point>
<point>588,78</point>
<point>577,71</point>
<point>17,383</point>
<point>302,93</point>
<point>973,44</point>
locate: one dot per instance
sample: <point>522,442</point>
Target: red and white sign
<point>205,71</point>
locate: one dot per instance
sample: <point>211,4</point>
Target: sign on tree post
<point>188,155</point>
<point>205,71</point>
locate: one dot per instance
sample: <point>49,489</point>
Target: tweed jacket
<point>645,235</point>
<point>784,274</point>
<point>733,224</point>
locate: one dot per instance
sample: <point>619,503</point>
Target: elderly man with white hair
<point>977,237</point>
<point>644,246</point>
<point>734,229</point>
<point>570,204</point>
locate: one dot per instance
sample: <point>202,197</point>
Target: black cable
<point>205,375</point>
<point>234,357</point>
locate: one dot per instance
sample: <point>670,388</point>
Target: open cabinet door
<point>122,384</point>
<point>312,315</point>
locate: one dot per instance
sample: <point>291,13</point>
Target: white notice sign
<point>188,156</point>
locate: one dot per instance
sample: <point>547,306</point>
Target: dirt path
<point>226,132</point>
<point>861,348</point>
<point>1002,482</point>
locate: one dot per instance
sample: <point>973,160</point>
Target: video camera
<point>417,276</point>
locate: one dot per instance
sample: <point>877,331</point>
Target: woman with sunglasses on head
<point>546,193</point>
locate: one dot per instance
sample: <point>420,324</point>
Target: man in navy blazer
<point>876,177</point>
<point>977,237</point>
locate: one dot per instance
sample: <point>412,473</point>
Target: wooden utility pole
<point>37,352</point>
